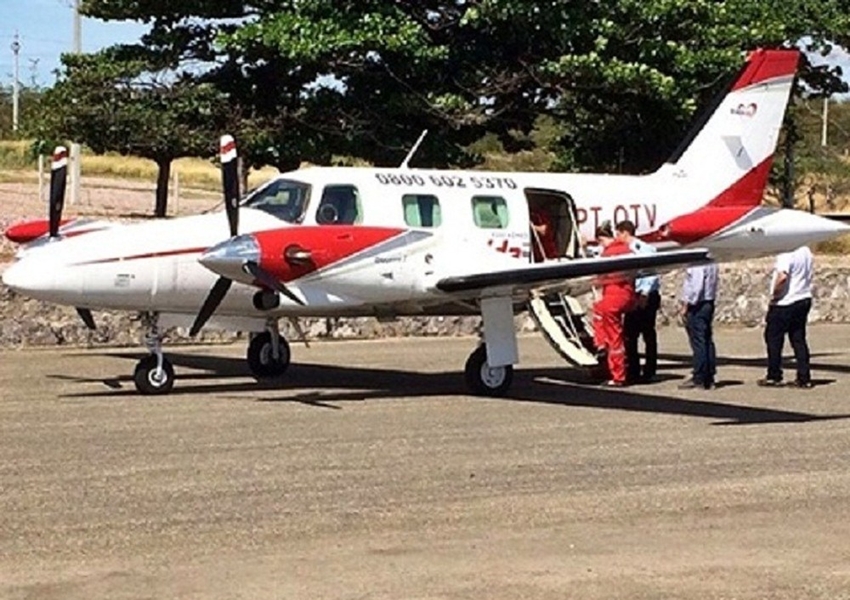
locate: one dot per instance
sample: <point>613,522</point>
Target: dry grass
<point>838,246</point>
<point>192,172</point>
<point>16,160</point>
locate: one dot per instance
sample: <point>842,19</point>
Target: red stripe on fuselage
<point>326,245</point>
<point>160,254</point>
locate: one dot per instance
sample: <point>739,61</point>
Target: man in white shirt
<point>790,303</point>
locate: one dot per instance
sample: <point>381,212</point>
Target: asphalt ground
<point>368,473</point>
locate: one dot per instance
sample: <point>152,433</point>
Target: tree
<point>309,79</point>
<point>120,100</point>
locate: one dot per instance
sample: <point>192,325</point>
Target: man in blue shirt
<point>698,294</point>
<point>641,321</point>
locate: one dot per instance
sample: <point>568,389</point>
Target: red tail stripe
<point>767,64</point>
<point>748,190</point>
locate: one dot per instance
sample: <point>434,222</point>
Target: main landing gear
<point>484,380</point>
<point>268,353</point>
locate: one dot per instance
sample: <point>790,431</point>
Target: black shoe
<point>690,384</point>
<point>805,385</point>
<point>767,382</point>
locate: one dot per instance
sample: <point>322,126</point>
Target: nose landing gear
<point>154,374</point>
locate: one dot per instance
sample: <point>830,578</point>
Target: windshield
<point>283,198</point>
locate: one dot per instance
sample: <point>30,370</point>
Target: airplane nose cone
<point>229,257</point>
<point>32,279</point>
<point>15,277</point>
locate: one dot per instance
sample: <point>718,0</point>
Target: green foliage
<point>307,80</point>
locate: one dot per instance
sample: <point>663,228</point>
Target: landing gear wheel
<point>484,380</point>
<point>261,358</point>
<point>150,381</point>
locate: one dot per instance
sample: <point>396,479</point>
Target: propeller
<point>58,179</point>
<point>230,184</point>
<point>58,183</point>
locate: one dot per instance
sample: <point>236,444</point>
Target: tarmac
<point>368,473</point>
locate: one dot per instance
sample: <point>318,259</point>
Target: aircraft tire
<point>146,379</point>
<point>483,380</point>
<point>260,360</point>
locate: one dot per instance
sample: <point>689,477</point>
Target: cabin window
<point>490,212</point>
<point>421,210</point>
<point>340,205</point>
<point>281,198</point>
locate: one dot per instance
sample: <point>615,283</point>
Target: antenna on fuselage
<point>413,150</point>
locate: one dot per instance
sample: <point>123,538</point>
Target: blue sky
<point>46,31</point>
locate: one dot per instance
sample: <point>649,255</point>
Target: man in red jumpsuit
<point>618,297</point>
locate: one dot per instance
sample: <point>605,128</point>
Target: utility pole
<point>34,73</point>
<point>825,121</point>
<point>75,147</point>
<point>16,50</point>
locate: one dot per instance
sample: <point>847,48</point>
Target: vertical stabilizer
<point>728,154</point>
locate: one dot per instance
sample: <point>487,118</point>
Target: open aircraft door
<point>560,317</point>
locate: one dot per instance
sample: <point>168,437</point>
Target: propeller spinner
<point>247,259</point>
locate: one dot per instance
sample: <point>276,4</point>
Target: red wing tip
<point>23,233</point>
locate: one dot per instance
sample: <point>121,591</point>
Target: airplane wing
<point>573,276</point>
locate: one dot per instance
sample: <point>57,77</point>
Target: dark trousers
<point>701,337</point>
<point>790,320</point>
<point>641,322</point>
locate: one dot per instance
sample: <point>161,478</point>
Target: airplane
<point>335,241</point>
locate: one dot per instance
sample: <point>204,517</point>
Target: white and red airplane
<point>330,241</point>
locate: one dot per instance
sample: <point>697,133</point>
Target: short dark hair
<point>626,226</point>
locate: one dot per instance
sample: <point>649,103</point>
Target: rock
<point>743,297</point>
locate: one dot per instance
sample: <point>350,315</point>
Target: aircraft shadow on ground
<point>325,386</point>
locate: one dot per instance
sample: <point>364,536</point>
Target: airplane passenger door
<point>555,233</point>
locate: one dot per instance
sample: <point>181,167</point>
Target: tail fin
<point>729,152</point>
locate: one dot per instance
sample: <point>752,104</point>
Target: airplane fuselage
<point>153,266</point>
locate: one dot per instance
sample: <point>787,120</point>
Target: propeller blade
<point>214,298</point>
<point>270,281</point>
<point>230,182</point>
<point>58,178</point>
<point>86,316</point>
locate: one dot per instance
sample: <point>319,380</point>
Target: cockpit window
<point>340,205</point>
<point>283,198</point>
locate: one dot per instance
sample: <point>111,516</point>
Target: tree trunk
<point>162,180</point>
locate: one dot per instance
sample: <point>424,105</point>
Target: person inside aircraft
<point>543,234</point>
<point>339,206</point>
